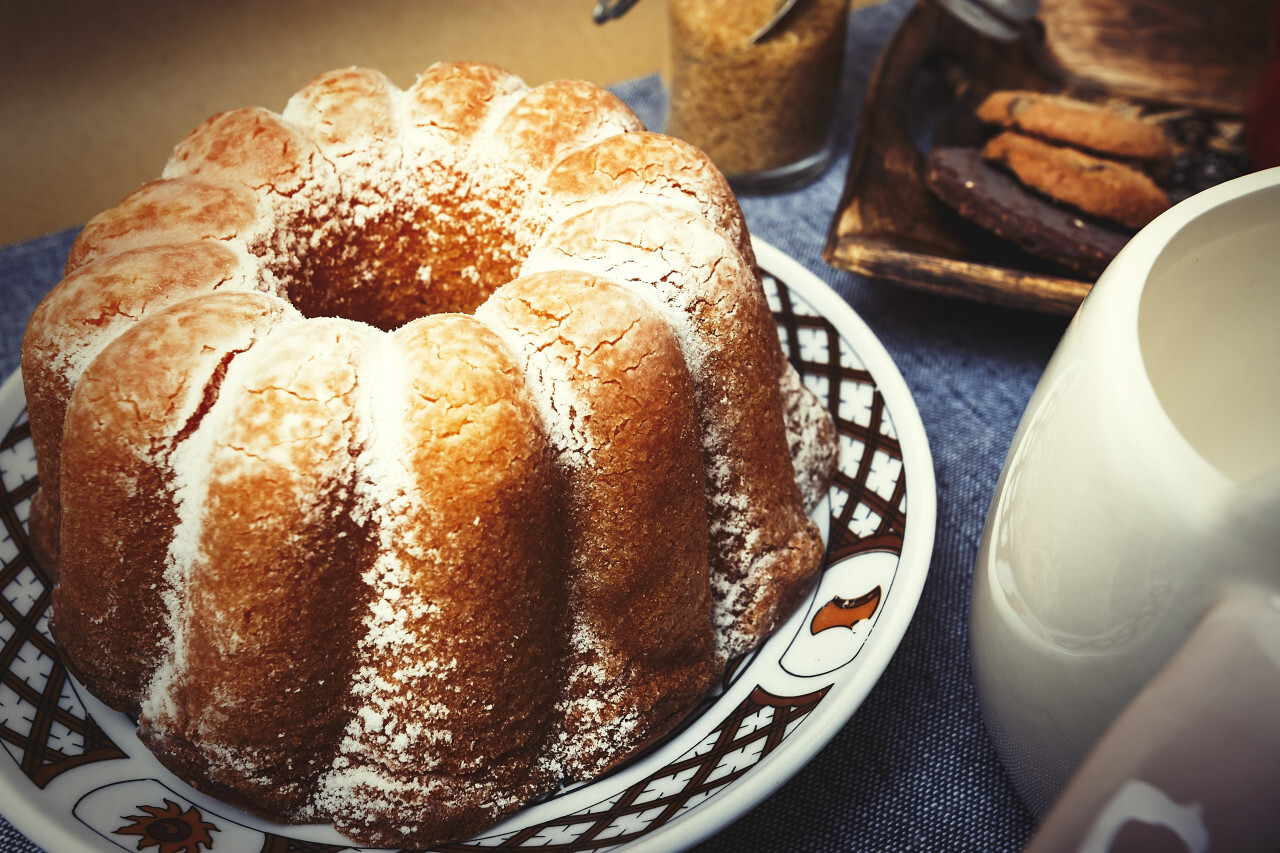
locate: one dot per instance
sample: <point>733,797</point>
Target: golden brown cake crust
<point>351,114</point>
<point>363,530</point>
<point>265,572</point>
<point>638,591</point>
<point>89,308</point>
<point>462,640</point>
<point>646,164</point>
<point>585,112</point>
<point>763,546</point>
<point>146,391</point>
<point>250,147</point>
<point>173,211</point>
<point>453,98</point>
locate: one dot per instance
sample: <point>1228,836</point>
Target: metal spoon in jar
<point>773,22</point>
<point>609,10</point>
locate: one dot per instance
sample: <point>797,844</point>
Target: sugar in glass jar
<point>764,109</point>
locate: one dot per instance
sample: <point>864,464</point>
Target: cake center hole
<point>392,266</point>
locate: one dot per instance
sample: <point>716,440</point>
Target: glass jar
<point>764,111</point>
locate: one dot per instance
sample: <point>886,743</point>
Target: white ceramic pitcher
<point>1138,508</point>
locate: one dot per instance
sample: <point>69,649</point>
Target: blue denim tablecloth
<point>914,768</point>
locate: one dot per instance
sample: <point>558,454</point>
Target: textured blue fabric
<point>914,768</point>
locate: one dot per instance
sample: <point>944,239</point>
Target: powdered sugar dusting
<point>711,298</point>
<point>810,435</point>
<point>232,442</point>
<point>418,208</point>
<point>564,414</point>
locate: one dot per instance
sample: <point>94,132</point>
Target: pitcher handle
<point>1193,763</point>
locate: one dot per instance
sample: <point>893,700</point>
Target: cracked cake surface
<point>410,452</point>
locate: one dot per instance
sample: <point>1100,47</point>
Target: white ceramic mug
<point>1137,518</point>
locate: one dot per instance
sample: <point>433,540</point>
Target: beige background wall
<point>94,94</point>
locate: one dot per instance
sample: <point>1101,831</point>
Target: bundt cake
<point>410,452</point>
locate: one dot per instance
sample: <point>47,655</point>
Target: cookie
<point>1078,123</point>
<point>1104,188</point>
<point>996,202</point>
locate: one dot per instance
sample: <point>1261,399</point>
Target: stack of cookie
<point>1090,157</point>
<point>1064,179</point>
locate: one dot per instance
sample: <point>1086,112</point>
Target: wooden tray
<point>889,226</point>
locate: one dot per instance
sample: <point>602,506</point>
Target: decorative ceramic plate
<point>74,777</point>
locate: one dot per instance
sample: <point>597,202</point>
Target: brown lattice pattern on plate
<point>743,738</point>
<point>875,437</point>
<point>42,723</point>
<point>280,844</point>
